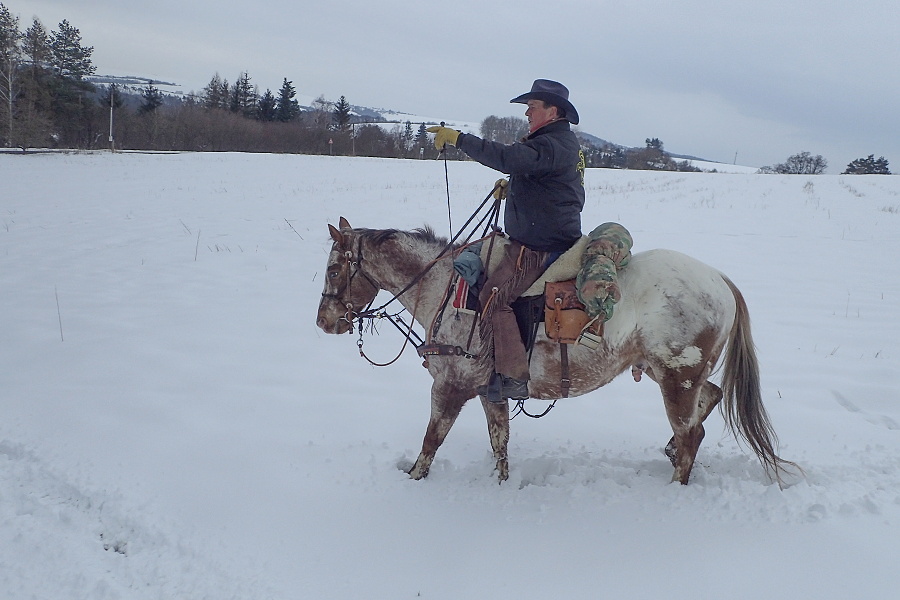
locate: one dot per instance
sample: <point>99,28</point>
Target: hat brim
<point>550,98</point>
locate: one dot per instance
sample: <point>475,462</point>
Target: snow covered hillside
<point>173,424</point>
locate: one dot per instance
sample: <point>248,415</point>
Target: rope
<point>520,410</point>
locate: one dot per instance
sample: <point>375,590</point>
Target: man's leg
<point>519,269</point>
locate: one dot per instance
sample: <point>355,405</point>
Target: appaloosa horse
<point>676,317</point>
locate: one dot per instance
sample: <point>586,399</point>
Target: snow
<point>173,424</point>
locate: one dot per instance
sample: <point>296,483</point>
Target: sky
<point>752,82</point>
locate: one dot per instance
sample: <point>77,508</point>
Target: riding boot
<point>514,389</point>
<point>491,391</point>
<point>501,387</point>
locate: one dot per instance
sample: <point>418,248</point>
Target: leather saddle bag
<point>564,314</point>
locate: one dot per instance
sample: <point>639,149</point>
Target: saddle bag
<point>564,314</point>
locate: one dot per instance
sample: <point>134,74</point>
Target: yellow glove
<point>500,190</point>
<point>443,135</point>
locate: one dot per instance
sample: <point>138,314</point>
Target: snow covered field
<point>173,424</point>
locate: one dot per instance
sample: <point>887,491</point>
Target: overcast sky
<point>759,79</point>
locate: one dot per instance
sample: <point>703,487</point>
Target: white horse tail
<point>742,404</point>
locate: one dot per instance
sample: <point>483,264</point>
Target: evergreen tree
<point>37,47</point>
<point>422,135</point>
<point>34,112</point>
<point>868,166</point>
<point>112,95</point>
<point>243,96</point>
<point>267,107</point>
<point>287,108</point>
<point>152,99</point>
<point>69,58</point>
<point>341,114</point>
<point>216,93</point>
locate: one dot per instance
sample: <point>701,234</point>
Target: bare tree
<point>10,58</point>
<point>802,164</point>
<point>505,130</point>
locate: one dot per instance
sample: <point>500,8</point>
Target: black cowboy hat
<point>551,92</point>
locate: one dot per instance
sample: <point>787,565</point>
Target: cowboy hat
<point>551,92</point>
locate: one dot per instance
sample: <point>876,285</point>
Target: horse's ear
<point>344,224</point>
<point>336,235</point>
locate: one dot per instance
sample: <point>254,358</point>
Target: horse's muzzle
<point>337,327</point>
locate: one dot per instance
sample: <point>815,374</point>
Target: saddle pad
<point>463,298</point>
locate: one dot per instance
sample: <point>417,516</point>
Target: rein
<point>354,268</point>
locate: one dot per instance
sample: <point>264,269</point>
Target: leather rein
<point>354,268</point>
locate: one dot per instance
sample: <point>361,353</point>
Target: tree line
<point>47,100</point>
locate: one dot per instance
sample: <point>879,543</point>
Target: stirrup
<point>513,389</point>
<point>592,334</point>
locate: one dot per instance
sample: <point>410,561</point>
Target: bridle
<point>354,268</point>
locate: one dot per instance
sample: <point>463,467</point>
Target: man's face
<point>539,114</point>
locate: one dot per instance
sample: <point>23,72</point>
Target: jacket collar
<point>553,126</point>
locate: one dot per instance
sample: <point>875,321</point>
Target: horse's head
<point>348,290</point>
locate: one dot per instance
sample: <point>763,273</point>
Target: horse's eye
<point>333,274</point>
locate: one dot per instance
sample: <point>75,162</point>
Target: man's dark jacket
<point>546,189</point>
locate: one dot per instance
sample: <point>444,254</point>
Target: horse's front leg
<point>497,414</point>
<point>445,407</point>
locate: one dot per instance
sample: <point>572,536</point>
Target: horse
<point>675,319</point>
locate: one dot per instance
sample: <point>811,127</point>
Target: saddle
<point>563,268</point>
<point>573,297</point>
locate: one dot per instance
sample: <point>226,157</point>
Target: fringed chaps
<point>519,268</point>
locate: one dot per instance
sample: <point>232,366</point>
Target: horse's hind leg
<point>687,407</point>
<point>709,397</point>
<point>497,414</point>
<point>445,407</point>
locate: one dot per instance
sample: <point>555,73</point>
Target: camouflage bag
<point>607,253</point>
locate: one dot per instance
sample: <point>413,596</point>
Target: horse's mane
<point>424,235</point>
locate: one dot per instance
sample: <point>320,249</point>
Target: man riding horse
<point>544,198</point>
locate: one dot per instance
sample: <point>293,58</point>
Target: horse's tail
<point>742,404</point>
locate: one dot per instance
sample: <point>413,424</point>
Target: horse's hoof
<point>502,471</point>
<point>417,474</point>
<point>671,451</point>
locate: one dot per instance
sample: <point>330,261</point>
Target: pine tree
<point>152,99</point>
<point>111,95</point>
<point>266,108</point>
<point>341,114</point>
<point>868,166</point>
<point>216,93</point>
<point>34,116</point>
<point>37,47</point>
<point>422,136</point>
<point>287,108</point>
<point>243,96</point>
<point>69,58</point>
